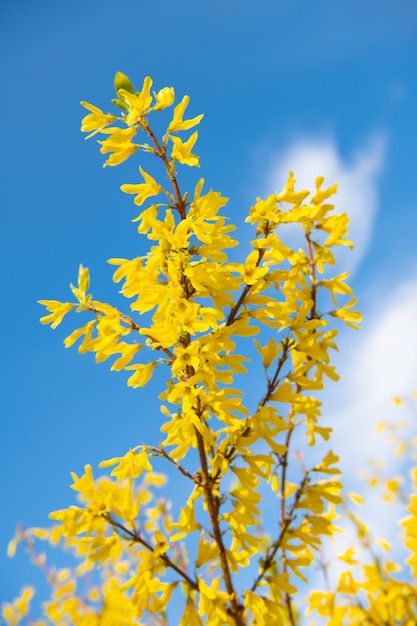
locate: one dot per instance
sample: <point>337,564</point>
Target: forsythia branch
<point>188,301</point>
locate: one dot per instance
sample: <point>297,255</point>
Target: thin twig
<point>136,538</point>
<point>234,311</point>
<point>161,152</point>
<point>125,319</point>
<point>163,453</point>
<point>213,505</point>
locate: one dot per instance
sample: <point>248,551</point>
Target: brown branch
<point>284,457</point>
<point>324,566</point>
<point>270,391</point>
<point>289,518</point>
<point>163,453</point>
<point>125,319</point>
<point>207,482</point>
<point>233,312</point>
<point>136,538</point>
<point>161,152</point>
<point>284,465</point>
<point>312,264</point>
<point>273,383</point>
<point>29,543</point>
<point>213,505</point>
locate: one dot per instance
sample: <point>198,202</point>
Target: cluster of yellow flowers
<point>189,309</point>
<point>375,589</point>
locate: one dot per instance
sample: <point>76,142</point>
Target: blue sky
<point>324,88</point>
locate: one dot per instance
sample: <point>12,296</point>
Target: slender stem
<point>207,482</point>
<point>51,575</point>
<point>234,311</point>
<point>288,602</point>
<point>271,556</point>
<point>284,465</point>
<point>272,385</point>
<point>284,457</point>
<point>36,560</point>
<point>232,315</point>
<point>136,538</point>
<point>287,517</point>
<point>213,506</point>
<point>276,545</point>
<point>162,452</point>
<point>125,319</point>
<point>161,152</point>
<point>324,566</point>
<point>312,264</point>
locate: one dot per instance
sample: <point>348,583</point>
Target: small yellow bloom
<point>142,374</point>
<point>186,357</point>
<point>349,317</point>
<point>177,122</point>
<point>138,105</point>
<point>288,194</point>
<point>96,120</point>
<point>129,466</point>
<point>322,194</point>
<point>164,98</point>
<point>57,310</point>
<point>145,190</point>
<point>120,143</point>
<point>14,612</point>
<point>181,151</point>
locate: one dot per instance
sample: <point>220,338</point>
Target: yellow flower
<point>178,123</point>
<point>143,374</point>
<point>119,143</point>
<point>13,613</point>
<point>322,194</point>
<point>138,104</point>
<point>350,318</point>
<point>288,194</point>
<point>129,466</point>
<point>96,120</point>
<point>143,190</point>
<point>164,98</point>
<point>251,272</point>
<point>57,310</point>
<point>186,357</point>
<point>181,151</point>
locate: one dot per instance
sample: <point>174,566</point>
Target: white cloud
<point>382,364</point>
<point>379,364</point>
<point>357,194</point>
